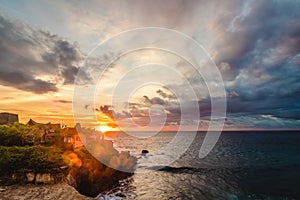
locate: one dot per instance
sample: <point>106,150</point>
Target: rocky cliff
<point>89,176</point>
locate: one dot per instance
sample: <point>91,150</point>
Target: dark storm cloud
<point>140,110</point>
<point>258,26</point>
<point>26,82</point>
<point>107,110</point>
<point>154,100</point>
<point>258,53</point>
<point>69,74</point>
<point>278,106</point>
<point>34,60</point>
<point>165,95</point>
<point>256,46</point>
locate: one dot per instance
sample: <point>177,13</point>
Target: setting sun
<point>103,129</point>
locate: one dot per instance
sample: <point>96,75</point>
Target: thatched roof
<point>31,122</point>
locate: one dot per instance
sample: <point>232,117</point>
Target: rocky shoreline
<point>49,169</point>
<point>59,191</point>
<point>84,177</point>
<point>90,177</point>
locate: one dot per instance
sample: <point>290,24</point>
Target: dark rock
<point>145,151</point>
<point>120,195</point>
<point>91,177</point>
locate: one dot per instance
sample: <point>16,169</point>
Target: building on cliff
<point>8,118</point>
<point>48,131</point>
<point>78,136</point>
<point>71,136</point>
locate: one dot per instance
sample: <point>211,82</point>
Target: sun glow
<point>103,129</point>
<point>105,122</point>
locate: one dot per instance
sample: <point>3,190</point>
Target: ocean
<point>242,165</point>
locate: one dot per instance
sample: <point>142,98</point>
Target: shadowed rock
<point>91,177</point>
<point>144,152</point>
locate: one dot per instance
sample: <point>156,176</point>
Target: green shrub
<point>18,135</point>
<point>34,158</point>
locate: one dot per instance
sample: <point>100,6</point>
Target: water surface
<point>242,165</point>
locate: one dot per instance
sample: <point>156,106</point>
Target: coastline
<point>84,178</point>
<point>32,169</point>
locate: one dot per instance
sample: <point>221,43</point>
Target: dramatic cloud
<point>140,111</point>
<point>26,82</point>
<point>165,95</point>
<point>257,52</point>
<point>255,45</point>
<point>106,109</point>
<point>34,60</point>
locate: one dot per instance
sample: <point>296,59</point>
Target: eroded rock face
<point>91,177</point>
<point>30,177</point>
<point>50,177</point>
<point>44,178</point>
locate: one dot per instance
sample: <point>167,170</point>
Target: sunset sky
<point>254,44</point>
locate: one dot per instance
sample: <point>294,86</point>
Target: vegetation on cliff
<point>23,153</point>
<point>19,135</point>
<point>34,158</point>
<point>21,150</point>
